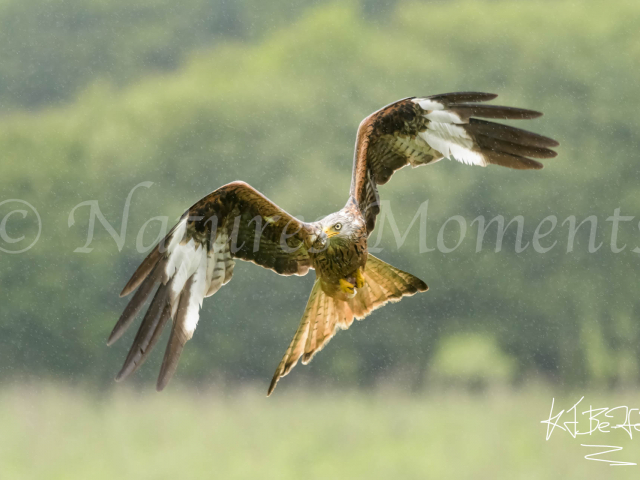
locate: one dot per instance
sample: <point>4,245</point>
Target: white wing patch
<point>209,270</point>
<point>427,104</point>
<point>444,116</point>
<point>445,135</point>
<point>452,142</point>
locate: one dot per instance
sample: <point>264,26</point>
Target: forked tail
<point>325,315</point>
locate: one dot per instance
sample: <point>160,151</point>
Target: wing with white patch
<point>197,257</point>
<point>419,131</point>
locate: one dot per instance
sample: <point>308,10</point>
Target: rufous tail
<point>325,315</point>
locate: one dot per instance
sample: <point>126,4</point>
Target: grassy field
<point>53,432</point>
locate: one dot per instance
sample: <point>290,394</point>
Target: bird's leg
<point>347,287</point>
<point>359,278</point>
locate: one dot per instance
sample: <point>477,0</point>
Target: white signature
<point>601,420</point>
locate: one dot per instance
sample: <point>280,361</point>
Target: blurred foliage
<point>279,110</point>
<point>52,49</point>
<point>473,361</point>
<point>71,434</point>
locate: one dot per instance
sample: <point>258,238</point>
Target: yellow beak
<point>329,232</point>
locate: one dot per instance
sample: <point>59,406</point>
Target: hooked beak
<point>329,233</point>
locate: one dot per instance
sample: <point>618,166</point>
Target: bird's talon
<point>359,279</point>
<point>346,287</point>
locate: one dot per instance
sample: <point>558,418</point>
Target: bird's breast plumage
<point>341,257</point>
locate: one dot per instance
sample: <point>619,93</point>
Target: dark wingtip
<point>533,165</point>
<point>493,111</point>
<point>145,268</point>
<point>165,377</point>
<point>464,97</point>
<point>171,358</point>
<point>509,134</point>
<point>133,308</point>
<point>272,385</point>
<point>125,371</point>
<point>489,96</point>
<point>116,333</point>
<point>131,285</point>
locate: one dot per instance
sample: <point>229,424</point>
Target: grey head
<point>338,228</point>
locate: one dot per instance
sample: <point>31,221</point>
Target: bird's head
<point>339,227</point>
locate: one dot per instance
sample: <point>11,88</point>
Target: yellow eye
<point>337,226</point>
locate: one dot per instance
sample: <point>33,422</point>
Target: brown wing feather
<point>148,333</point>
<point>133,308</point>
<point>419,131</point>
<point>259,231</point>
<point>177,340</point>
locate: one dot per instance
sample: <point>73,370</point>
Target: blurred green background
<point>99,96</point>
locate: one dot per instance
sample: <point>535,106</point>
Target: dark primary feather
<point>467,111</point>
<point>152,324</point>
<point>509,134</point>
<point>133,308</point>
<point>142,271</point>
<point>150,262</point>
<point>463,97</point>
<point>497,145</point>
<point>177,340</point>
<point>516,162</point>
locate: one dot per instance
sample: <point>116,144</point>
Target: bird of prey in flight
<point>237,222</point>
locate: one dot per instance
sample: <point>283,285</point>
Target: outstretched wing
<point>197,258</point>
<point>418,131</point>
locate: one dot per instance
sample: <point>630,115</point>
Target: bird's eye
<point>337,226</point>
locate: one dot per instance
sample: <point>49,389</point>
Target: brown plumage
<point>234,222</point>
